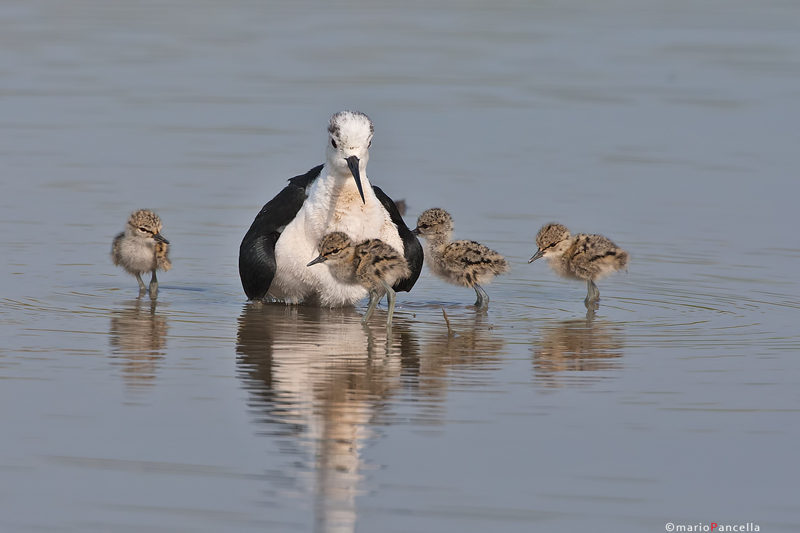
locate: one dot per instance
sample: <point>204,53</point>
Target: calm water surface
<point>670,127</point>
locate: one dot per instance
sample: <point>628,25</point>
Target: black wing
<point>257,252</point>
<point>411,246</point>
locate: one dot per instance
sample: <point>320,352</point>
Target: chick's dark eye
<point>333,143</point>
<point>143,230</point>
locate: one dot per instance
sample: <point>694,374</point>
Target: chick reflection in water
<point>459,347</point>
<point>138,340</point>
<point>581,345</point>
<point>321,381</point>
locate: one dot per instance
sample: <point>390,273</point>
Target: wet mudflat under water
<point>670,127</point>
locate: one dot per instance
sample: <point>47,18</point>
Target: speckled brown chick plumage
<point>141,248</point>
<point>372,263</point>
<point>584,257</point>
<point>464,263</point>
<point>162,256</point>
<point>336,250</point>
<point>379,263</point>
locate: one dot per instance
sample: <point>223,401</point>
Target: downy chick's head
<point>434,222</point>
<point>349,139</point>
<point>552,240</point>
<point>334,247</point>
<point>145,224</point>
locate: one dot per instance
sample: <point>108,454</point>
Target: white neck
<point>339,192</point>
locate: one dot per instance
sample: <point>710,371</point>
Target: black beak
<point>352,163</point>
<point>319,259</point>
<point>539,253</point>
<point>159,238</point>
<point>415,231</point>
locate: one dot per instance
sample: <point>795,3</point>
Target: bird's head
<point>146,225</point>
<point>552,240</point>
<point>434,221</point>
<point>333,247</point>
<point>349,139</point>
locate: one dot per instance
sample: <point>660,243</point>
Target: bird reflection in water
<point>320,380</point>
<point>138,341</point>
<point>451,357</point>
<point>323,385</point>
<point>579,345</point>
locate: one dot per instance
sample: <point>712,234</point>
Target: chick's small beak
<point>352,164</point>
<point>415,231</point>
<point>539,253</point>
<point>159,238</point>
<point>319,259</point>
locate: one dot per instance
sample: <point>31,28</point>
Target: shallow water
<point>669,127</point>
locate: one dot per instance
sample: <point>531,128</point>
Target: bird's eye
<point>143,230</point>
<point>333,143</point>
